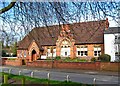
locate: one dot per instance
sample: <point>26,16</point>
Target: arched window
<point>65,48</point>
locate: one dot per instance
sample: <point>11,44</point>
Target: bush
<point>93,59</point>
<point>104,58</point>
<point>67,59</point>
<point>11,58</point>
<point>57,58</point>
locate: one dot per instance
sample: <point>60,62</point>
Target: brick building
<point>82,40</point>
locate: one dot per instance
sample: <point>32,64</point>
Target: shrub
<point>11,58</point>
<point>104,58</point>
<point>57,58</point>
<point>93,59</point>
<point>67,59</point>
<point>83,60</point>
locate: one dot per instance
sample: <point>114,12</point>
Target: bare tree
<point>8,7</point>
<point>23,16</point>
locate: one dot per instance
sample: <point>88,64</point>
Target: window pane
<point>78,52</point>
<point>99,53</point>
<point>95,53</point>
<point>86,53</point>
<point>81,53</point>
<point>66,53</point>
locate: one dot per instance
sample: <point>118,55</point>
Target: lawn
<point>13,80</point>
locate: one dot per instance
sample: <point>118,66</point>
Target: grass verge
<point>35,81</point>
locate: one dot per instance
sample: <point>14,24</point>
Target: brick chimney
<point>106,24</point>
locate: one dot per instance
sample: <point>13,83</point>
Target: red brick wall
<point>105,66</point>
<point>43,64</point>
<point>110,66</point>
<point>17,62</point>
<point>78,65</point>
<point>65,65</point>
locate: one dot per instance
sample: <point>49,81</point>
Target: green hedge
<point>104,58</point>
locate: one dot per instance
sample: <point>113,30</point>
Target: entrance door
<point>33,55</point>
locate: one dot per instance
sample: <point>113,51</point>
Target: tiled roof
<point>112,30</point>
<point>85,32</point>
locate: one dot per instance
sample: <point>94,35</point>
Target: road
<point>58,75</point>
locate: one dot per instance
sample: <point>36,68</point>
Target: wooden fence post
<point>5,79</point>
<point>19,72</point>
<point>68,78</point>
<point>48,76</point>
<point>94,81</point>
<point>23,81</point>
<point>32,74</point>
<point>10,71</point>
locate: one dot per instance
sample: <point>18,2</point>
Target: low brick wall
<point>78,65</point>
<point>2,61</point>
<point>65,65</point>
<point>101,66</point>
<point>110,66</point>
<point>17,62</point>
<point>43,64</point>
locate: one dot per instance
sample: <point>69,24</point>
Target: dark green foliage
<point>93,59</point>
<point>4,53</point>
<point>67,59</point>
<point>104,58</point>
<point>57,58</point>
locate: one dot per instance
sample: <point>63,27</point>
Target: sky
<point>112,23</point>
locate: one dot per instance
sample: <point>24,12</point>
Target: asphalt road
<point>58,75</point>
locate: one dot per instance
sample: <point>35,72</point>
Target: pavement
<point>78,71</point>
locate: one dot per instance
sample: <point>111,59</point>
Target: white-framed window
<point>24,53</point>
<point>49,52</point>
<point>54,52</point>
<point>65,49</point>
<point>20,54</point>
<point>82,51</point>
<point>97,51</point>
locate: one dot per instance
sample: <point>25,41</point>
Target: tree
<point>21,17</point>
<point>14,49</point>
<point>4,53</point>
<point>3,10</point>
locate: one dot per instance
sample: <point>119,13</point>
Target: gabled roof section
<point>84,32</point>
<point>112,30</point>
